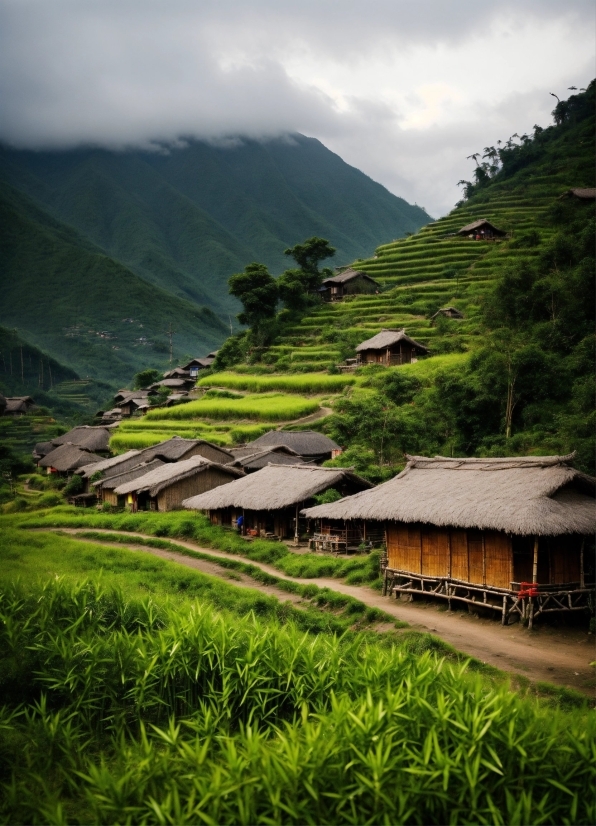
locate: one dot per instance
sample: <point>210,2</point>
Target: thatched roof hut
<point>177,448</point>
<point>18,405</point>
<point>105,488</point>
<point>491,531</point>
<point>165,487</point>
<point>309,444</point>
<point>540,495</point>
<point>42,449</point>
<point>348,282</point>
<point>270,499</point>
<point>107,464</point>
<point>67,459</point>
<point>448,312</point>
<point>87,438</point>
<point>251,460</point>
<point>583,193</point>
<point>481,229</point>
<point>391,348</point>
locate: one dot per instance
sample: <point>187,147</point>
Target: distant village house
<point>481,230</point>
<point>348,282</point>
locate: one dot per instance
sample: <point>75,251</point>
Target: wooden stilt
<point>535,562</point>
<point>530,613</point>
<point>504,617</point>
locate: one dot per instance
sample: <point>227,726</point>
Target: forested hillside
<point>185,219</point>
<point>87,310</point>
<point>514,376</point>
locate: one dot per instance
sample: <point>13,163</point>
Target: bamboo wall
<point>172,496</point>
<point>480,557</point>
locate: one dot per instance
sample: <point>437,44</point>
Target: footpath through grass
<point>197,528</point>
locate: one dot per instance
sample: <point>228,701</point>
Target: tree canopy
<point>257,290</point>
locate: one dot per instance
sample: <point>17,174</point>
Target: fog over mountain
<point>402,90</point>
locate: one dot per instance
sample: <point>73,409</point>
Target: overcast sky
<point>401,89</point>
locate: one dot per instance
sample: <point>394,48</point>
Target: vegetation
<point>264,406</point>
<point>305,383</point>
<point>165,708</point>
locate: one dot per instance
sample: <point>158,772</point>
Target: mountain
<point>514,376</point>
<point>184,219</point>
<point>84,308</point>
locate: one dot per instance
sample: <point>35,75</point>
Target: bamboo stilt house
<point>391,348</point>
<point>270,500</point>
<point>510,534</point>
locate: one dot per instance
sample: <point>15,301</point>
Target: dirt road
<point>557,655</point>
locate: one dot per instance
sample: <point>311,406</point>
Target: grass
<point>121,442</point>
<point>299,383</point>
<point>265,406</point>
<point>119,709</point>
<point>197,528</point>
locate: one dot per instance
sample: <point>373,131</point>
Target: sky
<point>404,90</point>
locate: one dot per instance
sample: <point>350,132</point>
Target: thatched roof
<point>174,449</point>
<point>129,475</point>
<point>174,384</point>
<point>449,311</point>
<point>42,449</point>
<point>18,404</point>
<point>275,487</point>
<point>65,458</point>
<point>168,474</point>
<point>86,437</point>
<point>387,338</point>
<point>584,193</point>
<point>177,373</point>
<point>348,275</point>
<point>482,222</point>
<point>106,464</point>
<point>279,455</point>
<point>125,395</point>
<point>306,443</point>
<point>522,495</point>
<point>205,362</point>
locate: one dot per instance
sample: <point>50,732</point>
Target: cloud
<point>403,89</point>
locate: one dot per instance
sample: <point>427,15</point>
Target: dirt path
<point>557,655</point>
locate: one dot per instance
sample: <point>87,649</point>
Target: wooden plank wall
<point>172,496</point>
<point>480,557</point>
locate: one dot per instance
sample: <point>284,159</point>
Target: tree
<point>308,255</point>
<point>293,289</point>
<point>145,378</point>
<point>257,290</point>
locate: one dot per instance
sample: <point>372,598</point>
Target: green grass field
<point>137,691</point>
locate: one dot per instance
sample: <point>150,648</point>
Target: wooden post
<point>504,615</point>
<point>535,562</point>
<point>582,576</point>
<point>296,532</point>
<point>483,560</point>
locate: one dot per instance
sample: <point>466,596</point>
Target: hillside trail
<point>559,655</point>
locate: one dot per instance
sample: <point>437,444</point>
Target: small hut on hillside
<point>391,348</point>
<point>447,312</point>
<point>194,366</point>
<point>348,282</point>
<point>65,460</point>
<point>165,487</point>
<point>271,499</point>
<point>308,444</point>
<point>582,193</point>
<point>481,230</point>
<point>18,405</point>
<point>507,534</point>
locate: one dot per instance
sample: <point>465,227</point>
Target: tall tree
<point>308,255</point>
<point>257,290</point>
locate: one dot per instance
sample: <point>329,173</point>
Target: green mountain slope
<point>87,310</point>
<point>515,375</point>
<point>186,219</point>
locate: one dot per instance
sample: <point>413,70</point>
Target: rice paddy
<point>265,406</point>
<point>297,383</point>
